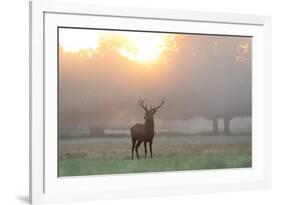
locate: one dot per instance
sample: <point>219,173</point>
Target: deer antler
<point>142,105</point>
<point>160,105</point>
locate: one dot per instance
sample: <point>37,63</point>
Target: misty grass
<point>99,156</point>
<point>96,166</point>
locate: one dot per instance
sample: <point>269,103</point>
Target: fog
<point>205,77</point>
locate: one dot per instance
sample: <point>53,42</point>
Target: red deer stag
<point>144,132</point>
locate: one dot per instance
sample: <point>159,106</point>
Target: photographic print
<point>149,101</point>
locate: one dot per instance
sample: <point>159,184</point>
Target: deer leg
<point>145,151</point>
<point>136,147</point>
<point>150,149</point>
<point>133,147</point>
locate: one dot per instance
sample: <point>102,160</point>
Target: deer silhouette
<point>144,133</point>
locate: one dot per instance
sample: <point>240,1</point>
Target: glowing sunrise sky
<point>141,47</point>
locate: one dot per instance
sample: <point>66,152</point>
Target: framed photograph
<point>129,102</point>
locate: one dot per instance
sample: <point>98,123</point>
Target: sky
<point>137,46</point>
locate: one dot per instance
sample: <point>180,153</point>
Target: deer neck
<point>149,127</point>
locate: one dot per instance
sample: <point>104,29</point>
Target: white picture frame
<point>46,187</point>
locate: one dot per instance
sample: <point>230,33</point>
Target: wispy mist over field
<point>200,76</point>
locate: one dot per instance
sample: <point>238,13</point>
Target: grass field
<point>97,156</point>
<point>78,167</point>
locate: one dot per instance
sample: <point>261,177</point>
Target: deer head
<point>150,112</point>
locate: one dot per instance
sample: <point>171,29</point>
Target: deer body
<point>144,133</point>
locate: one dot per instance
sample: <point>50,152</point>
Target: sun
<point>149,47</point>
<point>141,47</point>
